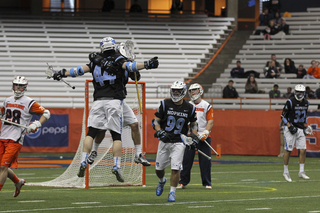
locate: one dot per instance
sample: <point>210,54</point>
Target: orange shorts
<point>9,152</point>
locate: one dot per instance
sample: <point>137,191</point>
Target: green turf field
<point>240,184</point>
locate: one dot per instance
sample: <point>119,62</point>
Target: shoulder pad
<point>95,57</point>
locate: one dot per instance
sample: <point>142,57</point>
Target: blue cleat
<point>82,169</point>
<point>160,187</point>
<point>172,197</point>
<point>117,172</point>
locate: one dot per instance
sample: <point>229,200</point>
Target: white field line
<point>155,204</point>
<point>255,209</point>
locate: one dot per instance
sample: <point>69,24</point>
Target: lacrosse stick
<point>188,142</point>
<point>50,72</point>
<point>126,49</point>
<point>13,123</point>
<point>211,148</point>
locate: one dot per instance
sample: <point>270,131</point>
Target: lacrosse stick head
<point>309,130</point>
<point>19,86</point>
<point>127,50</point>
<point>49,72</point>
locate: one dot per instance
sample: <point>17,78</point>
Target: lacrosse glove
<point>152,63</point>
<point>163,136</point>
<point>59,75</point>
<point>293,130</point>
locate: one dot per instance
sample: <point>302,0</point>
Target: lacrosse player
<point>110,71</point>
<point>17,109</point>
<point>170,121</point>
<point>126,50</point>
<point>294,116</point>
<point>205,122</point>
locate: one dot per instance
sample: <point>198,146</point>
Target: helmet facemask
<point>177,91</point>
<point>299,92</point>
<point>195,91</point>
<point>19,86</point>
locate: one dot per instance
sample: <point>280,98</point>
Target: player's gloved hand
<point>163,136</point>
<point>108,66</point>
<point>33,127</point>
<point>152,63</point>
<point>59,75</point>
<point>293,130</point>
<point>92,56</point>
<point>195,141</point>
<point>308,130</point>
<point>204,135</point>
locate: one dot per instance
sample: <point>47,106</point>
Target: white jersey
<point>19,111</point>
<point>204,113</point>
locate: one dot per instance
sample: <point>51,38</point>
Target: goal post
<point>99,173</point>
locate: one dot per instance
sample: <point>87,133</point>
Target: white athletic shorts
<point>107,114</point>
<point>170,153</point>
<point>297,140</point>
<point>128,115</point>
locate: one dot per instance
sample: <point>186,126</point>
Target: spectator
<point>310,94</point>
<point>277,19</point>
<point>108,5</point>
<point>135,7</point>
<point>238,71</point>
<point>283,27</point>
<point>251,85</point>
<point>273,29</point>
<point>229,91</point>
<point>275,93</point>
<point>313,72</point>
<point>265,17</point>
<point>289,66</point>
<point>274,58</point>
<point>289,93</point>
<point>274,6</point>
<point>301,72</point>
<point>272,71</point>
<point>177,6</point>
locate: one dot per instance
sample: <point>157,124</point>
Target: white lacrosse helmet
<point>299,92</point>
<point>181,87</point>
<point>19,82</point>
<point>198,87</point>
<point>107,43</point>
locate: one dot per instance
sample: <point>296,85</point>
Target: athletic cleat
<point>172,197</point>
<point>160,187</point>
<point>287,177</point>
<point>303,175</point>
<point>91,157</point>
<point>208,187</point>
<point>18,187</point>
<point>181,186</point>
<point>82,170</point>
<point>141,160</point>
<point>117,172</point>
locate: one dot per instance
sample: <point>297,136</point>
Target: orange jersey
<point>19,111</point>
<point>204,114</point>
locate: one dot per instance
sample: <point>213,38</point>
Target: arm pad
<point>74,72</point>
<point>154,123</point>
<point>131,67</point>
<point>194,126</point>
<point>46,114</point>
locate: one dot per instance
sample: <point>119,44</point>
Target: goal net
<point>99,173</point>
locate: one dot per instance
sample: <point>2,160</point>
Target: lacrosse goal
<point>99,173</point>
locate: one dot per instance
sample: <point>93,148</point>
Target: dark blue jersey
<point>109,85</point>
<point>175,118</point>
<point>296,112</point>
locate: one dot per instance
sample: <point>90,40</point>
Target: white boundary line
<point>157,204</point>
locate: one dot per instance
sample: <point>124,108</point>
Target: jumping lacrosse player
<point>170,122</point>
<point>205,123</point>
<point>18,110</point>
<point>110,71</point>
<point>126,50</point>
<point>294,116</point>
